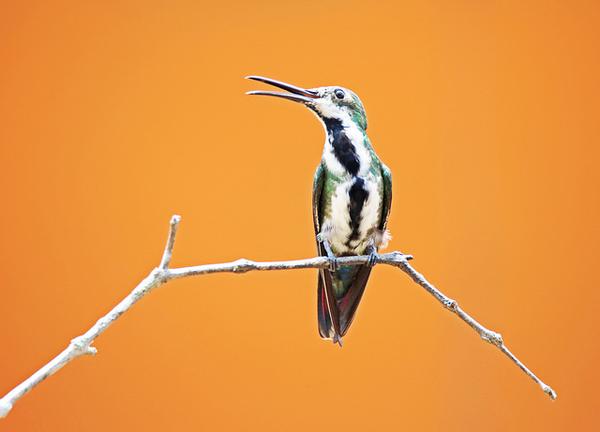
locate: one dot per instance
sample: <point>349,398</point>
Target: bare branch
<point>82,345</point>
<point>485,334</point>
<point>166,258</point>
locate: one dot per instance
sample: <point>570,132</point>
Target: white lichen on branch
<point>82,345</point>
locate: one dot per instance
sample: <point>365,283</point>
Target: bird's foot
<point>333,263</point>
<point>338,340</point>
<point>374,257</point>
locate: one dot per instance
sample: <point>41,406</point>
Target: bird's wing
<point>328,316</point>
<point>387,196</point>
<point>318,181</point>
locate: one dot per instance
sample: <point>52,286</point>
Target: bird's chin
<point>328,110</point>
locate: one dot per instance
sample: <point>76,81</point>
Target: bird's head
<point>328,103</point>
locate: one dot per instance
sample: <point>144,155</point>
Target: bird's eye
<point>339,93</point>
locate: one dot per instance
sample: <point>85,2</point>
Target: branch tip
<point>166,258</point>
<point>175,219</point>
<point>5,408</point>
<point>549,391</point>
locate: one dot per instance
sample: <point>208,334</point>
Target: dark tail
<point>336,312</point>
<point>326,330</point>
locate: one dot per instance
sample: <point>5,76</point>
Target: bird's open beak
<point>297,94</point>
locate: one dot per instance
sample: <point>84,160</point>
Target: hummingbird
<point>351,200</point>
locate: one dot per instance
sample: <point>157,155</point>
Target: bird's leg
<point>333,265</point>
<point>373,255</point>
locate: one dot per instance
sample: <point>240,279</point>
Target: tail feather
<point>348,304</point>
<point>326,329</point>
<point>336,310</point>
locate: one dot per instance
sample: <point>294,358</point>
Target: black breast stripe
<point>343,149</point>
<point>358,195</point>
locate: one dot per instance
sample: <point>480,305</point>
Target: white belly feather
<point>337,227</point>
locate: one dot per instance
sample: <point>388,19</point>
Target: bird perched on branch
<point>352,194</point>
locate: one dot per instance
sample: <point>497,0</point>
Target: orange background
<point>115,115</point>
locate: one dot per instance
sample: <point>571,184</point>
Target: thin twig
<point>485,333</point>
<point>166,258</point>
<point>82,345</point>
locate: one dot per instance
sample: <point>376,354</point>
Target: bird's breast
<point>354,214</point>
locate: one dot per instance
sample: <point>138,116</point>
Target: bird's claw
<point>333,264</point>
<point>331,258</point>
<point>373,259</point>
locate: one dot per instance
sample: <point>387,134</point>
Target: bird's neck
<point>347,151</point>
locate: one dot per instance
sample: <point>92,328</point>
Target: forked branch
<point>82,345</point>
